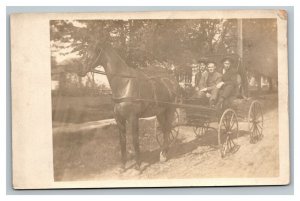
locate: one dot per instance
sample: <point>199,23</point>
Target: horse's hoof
<point>121,169</point>
<point>137,167</point>
<point>133,172</point>
<point>163,157</point>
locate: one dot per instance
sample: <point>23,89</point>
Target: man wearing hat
<point>201,71</point>
<point>228,85</point>
<point>208,84</point>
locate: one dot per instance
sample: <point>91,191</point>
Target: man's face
<point>202,66</point>
<point>226,64</point>
<point>211,67</point>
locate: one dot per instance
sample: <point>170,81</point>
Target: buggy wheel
<point>228,133</point>
<point>201,130</point>
<point>173,134</point>
<point>255,122</point>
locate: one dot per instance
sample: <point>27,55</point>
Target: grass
<point>81,109</point>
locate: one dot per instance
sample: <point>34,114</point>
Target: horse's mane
<point>154,72</point>
<point>108,47</point>
<point>150,72</point>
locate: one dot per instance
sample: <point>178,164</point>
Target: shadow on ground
<point>81,155</point>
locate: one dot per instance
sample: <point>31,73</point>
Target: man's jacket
<point>210,80</point>
<point>229,77</point>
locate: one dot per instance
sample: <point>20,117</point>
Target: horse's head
<point>91,58</point>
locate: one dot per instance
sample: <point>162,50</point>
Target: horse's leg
<point>121,123</point>
<point>134,129</point>
<point>162,119</point>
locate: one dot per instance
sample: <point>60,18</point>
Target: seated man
<point>208,84</point>
<point>228,86</point>
<point>201,71</point>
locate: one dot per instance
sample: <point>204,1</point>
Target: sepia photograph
<point>171,99</point>
<point>210,86</point>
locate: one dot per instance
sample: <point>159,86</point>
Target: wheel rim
<point>255,122</point>
<point>228,133</point>
<point>174,131</point>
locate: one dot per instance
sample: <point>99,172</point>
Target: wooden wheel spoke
<point>223,123</point>
<point>252,127</point>
<point>257,134</point>
<point>172,135</point>
<point>254,110</point>
<point>252,115</point>
<point>259,117</point>
<point>258,125</point>
<point>231,123</point>
<point>232,141</point>
<point>228,143</point>
<point>253,134</point>
<point>228,131</point>
<point>232,144</point>
<point>228,122</point>
<point>255,121</point>
<point>259,131</point>
<point>227,126</point>
<point>196,131</point>
<point>255,131</point>
<point>225,146</point>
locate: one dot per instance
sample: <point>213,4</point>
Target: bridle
<point>98,56</point>
<point>103,72</point>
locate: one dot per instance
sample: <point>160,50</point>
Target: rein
<point>103,72</point>
<point>98,56</point>
<point>130,76</point>
<point>113,75</point>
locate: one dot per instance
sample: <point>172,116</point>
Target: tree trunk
<point>123,40</point>
<point>62,83</point>
<point>258,80</point>
<point>270,84</point>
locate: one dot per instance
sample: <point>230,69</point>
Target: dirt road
<point>93,154</point>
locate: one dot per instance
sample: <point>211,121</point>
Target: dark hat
<point>211,61</point>
<point>203,60</point>
<point>230,59</point>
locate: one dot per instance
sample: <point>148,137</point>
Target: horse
<point>135,95</point>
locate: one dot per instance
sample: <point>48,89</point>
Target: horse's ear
<point>100,44</point>
<point>106,43</point>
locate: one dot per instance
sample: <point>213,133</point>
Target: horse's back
<point>160,83</point>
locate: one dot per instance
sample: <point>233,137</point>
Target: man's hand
<point>203,90</point>
<point>220,84</point>
<point>208,95</point>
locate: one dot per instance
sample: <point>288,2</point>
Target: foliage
<point>260,46</point>
<point>142,42</point>
<point>172,44</point>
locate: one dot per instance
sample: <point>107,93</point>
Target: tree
<point>260,46</point>
<point>142,42</point>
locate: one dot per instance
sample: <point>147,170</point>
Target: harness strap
<point>154,90</point>
<point>167,87</point>
<point>126,99</point>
